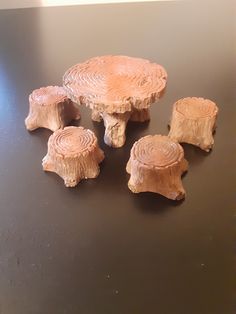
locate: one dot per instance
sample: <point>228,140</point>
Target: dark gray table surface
<point>98,248</point>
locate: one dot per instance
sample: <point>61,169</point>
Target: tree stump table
<point>73,154</point>
<point>50,108</point>
<point>156,164</point>
<point>117,89</point>
<point>193,121</point>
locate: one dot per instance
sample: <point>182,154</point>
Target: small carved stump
<point>117,89</point>
<point>73,154</point>
<point>156,164</point>
<point>50,108</point>
<point>193,121</point>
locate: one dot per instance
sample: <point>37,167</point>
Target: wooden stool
<point>193,121</point>
<point>50,108</point>
<point>73,154</point>
<point>117,89</point>
<point>156,164</point>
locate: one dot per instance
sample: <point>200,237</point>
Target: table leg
<point>140,115</point>
<point>115,125</point>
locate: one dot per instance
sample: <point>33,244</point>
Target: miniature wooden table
<point>116,88</point>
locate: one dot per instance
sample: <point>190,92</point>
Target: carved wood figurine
<point>156,164</point>
<point>50,108</point>
<point>193,121</point>
<point>74,154</point>
<point>117,89</point>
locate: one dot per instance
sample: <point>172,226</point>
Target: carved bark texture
<point>115,85</point>
<point>73,154</point>
<point>193,121</point>
<point>50,108</point>
<point>115,125</point>
<point>140,115</point>
<point>96,116</point>
<point>156,164</point>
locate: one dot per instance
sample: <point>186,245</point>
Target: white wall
<point>11,4</point>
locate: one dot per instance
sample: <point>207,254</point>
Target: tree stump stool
<point>50,108</point>
<point>193,121</point>
<point>116,88</point>
<point>74,154</point>
<point>156,164</point>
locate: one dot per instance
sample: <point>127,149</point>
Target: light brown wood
<point>140,115</point>
<point>115,125</point>
<point>49,107</point>
<point>193,121</point>
<point>96,116</point>
<point>74,154</point>
<point>156,164</point>
<point>116,88</point>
